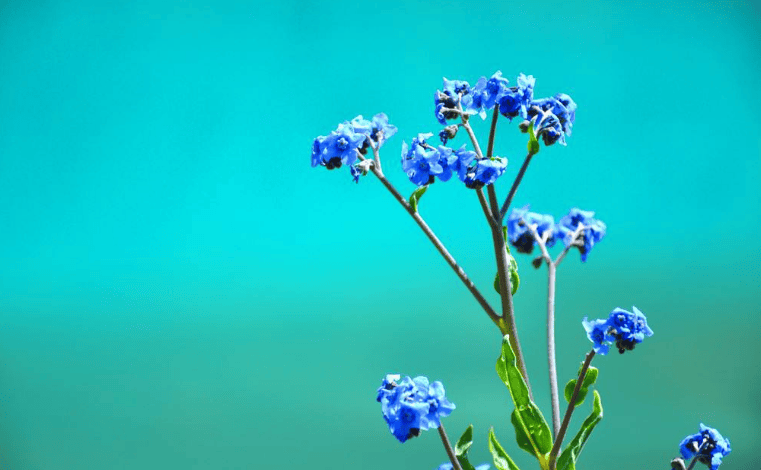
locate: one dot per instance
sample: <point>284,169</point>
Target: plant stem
<point>551,268</point>
<point>448,448</point>
<point>507,324</point>
<point>492,132</point>
<point>506,294</point>
<point>514,188</point>
<point>569,410</point>
<point>695,459</point>
<point>440,247</point>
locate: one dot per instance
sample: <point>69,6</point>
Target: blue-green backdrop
<point>180,289</point>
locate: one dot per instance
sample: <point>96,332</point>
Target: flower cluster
<point>590,230</point>
<point>552,117</point>
<point>448,466</point>
<point>578,228</point>
<point>623,328</point>
<point>410,405</point>
<point>423,163</point>
<point>519,234</point>
<point>350,139</point>
<point>708,446</point>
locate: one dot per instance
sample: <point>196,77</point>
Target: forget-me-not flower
<point>515,101</point>
<point>708,445</point>
<point>518,231</point>
<point>421,161</point>
<point>411,405</point>
<point>623,328</point>
<point>486,93</point>
<point>591,232</point>
<point>448,100</point>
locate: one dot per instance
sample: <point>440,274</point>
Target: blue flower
<point>448,160</point>
<point>411,405</point>
<point>708,445</point>
<point>515,101</point>
<point>448,466</point>
<point>484,172</point>
<point>518,231</point>
<point>465,158</point>
<point>553,118</point>
<point>450,98</point>
<point>592,230</point>
<point>378,130</point>
<point>486,93</point>
<point>337,149</point>
<point>623,328</point>
<point>421,161</point>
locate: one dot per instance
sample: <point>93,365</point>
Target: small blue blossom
<point>450,98</point>
<point>553,118</point>
<point>337,149</point>
<point>484,172</point>
<point>448,161</point>
<point>708,445</point>
<point>486,93</point>
<point>411,405</point>
<point>518,231</point>
<point>421,161</point>
<point>465,158</point>
<point>378,130</point>
<point>623,328</point>
<point>592,231</point>
<point>448,466</point>
<point>515,101</point>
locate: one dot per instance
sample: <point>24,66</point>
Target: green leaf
<point>533,144</point>
<point>462,447</point>
<point>501,460</point>
<point>570,455</point>
<point>531,430</point>
<point>589,380</point>
<point>515,280</point>
<point>416,195</point>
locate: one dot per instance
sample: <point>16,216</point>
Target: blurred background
<point>180,289</point>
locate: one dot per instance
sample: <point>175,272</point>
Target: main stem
<point>448,447</point>
<point>551,269</point>
<point>440,247</point>
<point>507,324</point>
<point>569,410</point>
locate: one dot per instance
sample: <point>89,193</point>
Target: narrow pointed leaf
<point>416,195</point>
<point>569,457</point>
<point>533,144</point>
<point>589,379</point>
<point>529,423</point>
<point>501,460</point>
<point>462,447</point>
<point>515,280</point>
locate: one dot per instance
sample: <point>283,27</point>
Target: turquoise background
<point>180,289</point>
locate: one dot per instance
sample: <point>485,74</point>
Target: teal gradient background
<point>179,289</point>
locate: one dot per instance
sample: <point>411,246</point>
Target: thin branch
<point>569,410</point>
<point>440,247</point>
<point>448,448</point>
<point>514,188</point>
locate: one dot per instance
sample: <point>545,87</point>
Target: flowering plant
<point>409,405</point>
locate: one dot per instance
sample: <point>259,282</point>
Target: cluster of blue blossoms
<point>410,405</point>
<point>552,117</point>
<point>423,163</point>
<point>590,230</point>
<point>708,446</point>
<point>351,138</point>
<point>449,466</point>
<point>622,328</point>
